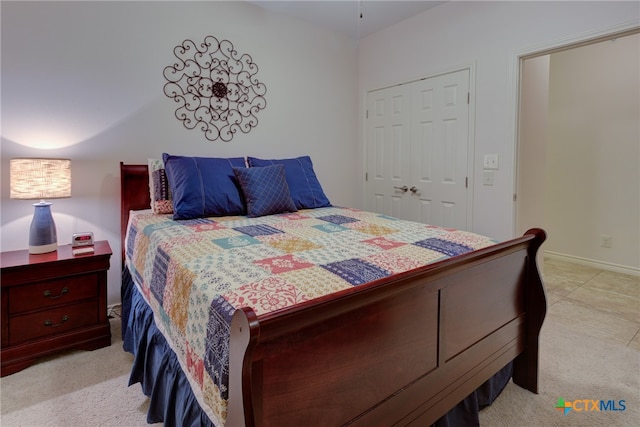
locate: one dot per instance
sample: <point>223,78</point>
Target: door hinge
<point>468,97</point>
<point>367,114</point>
<point>366,176</point>
<point>466,182</point>
<point>515,197</point>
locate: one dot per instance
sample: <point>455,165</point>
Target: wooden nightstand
<point>52,302</point>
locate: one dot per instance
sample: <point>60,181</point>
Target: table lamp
<point>33,178</point>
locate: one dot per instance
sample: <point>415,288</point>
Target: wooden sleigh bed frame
<point>403,350</point>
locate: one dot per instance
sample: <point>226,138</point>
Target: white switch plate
<point>491,161</point>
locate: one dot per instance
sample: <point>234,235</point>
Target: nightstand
<point>52,302</point>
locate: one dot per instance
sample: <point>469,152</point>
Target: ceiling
<point>342,15</point>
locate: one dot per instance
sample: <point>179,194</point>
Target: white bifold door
<point>417,145</point>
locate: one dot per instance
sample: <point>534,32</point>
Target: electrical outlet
<point>606,241</point>
<point>487,178</point>
<point>491,161</point>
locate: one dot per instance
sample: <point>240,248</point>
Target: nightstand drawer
<point>51,293</point>
<point>51,322</point>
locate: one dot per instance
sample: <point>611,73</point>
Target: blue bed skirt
<point>171,400</point>
<point>155,365</point>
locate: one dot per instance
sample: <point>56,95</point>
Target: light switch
<point>491,161</point>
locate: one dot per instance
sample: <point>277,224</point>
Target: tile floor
<point>601,303</point>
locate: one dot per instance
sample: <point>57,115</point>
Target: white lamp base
<point>43,249</point>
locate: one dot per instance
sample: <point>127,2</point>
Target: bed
<point>429,344</point>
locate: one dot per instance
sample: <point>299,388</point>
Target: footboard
<point>400,350</point>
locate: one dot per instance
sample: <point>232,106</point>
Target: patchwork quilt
<point>195,273</point>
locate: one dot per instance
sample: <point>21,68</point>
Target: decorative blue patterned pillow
<point>159,188</point>
<point>203,186</point>
<point>305,188</point>
<point>265,190</point>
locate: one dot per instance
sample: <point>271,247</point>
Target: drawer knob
<point>48,294</point>
<point>53,325</point>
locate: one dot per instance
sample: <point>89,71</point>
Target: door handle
<point>404,188</point>
<point>414,189</point>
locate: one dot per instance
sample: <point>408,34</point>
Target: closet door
<point>388,151</point>
<point>417,150</point>
<point>439,150</point>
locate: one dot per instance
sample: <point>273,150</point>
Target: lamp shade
<point>41,179</point>
<point>33,178</point>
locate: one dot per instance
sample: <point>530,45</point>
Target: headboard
<point>134,195</point>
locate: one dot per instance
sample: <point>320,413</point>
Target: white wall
<point>83,80</point>
<point>487,36</point>
<point>593,152</point>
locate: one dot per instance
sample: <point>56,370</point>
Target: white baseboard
<point>632,271</point>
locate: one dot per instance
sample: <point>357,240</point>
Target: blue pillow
<point>304,186</point>
<point>265,190</point>
<point>203,186</point>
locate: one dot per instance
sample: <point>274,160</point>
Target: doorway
<point>578,150</point>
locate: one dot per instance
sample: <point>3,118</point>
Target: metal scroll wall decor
<point>215,87</point>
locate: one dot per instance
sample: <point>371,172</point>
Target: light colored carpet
<point>78,388</point>
<point>573,366</point>
<point>90,388</point>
